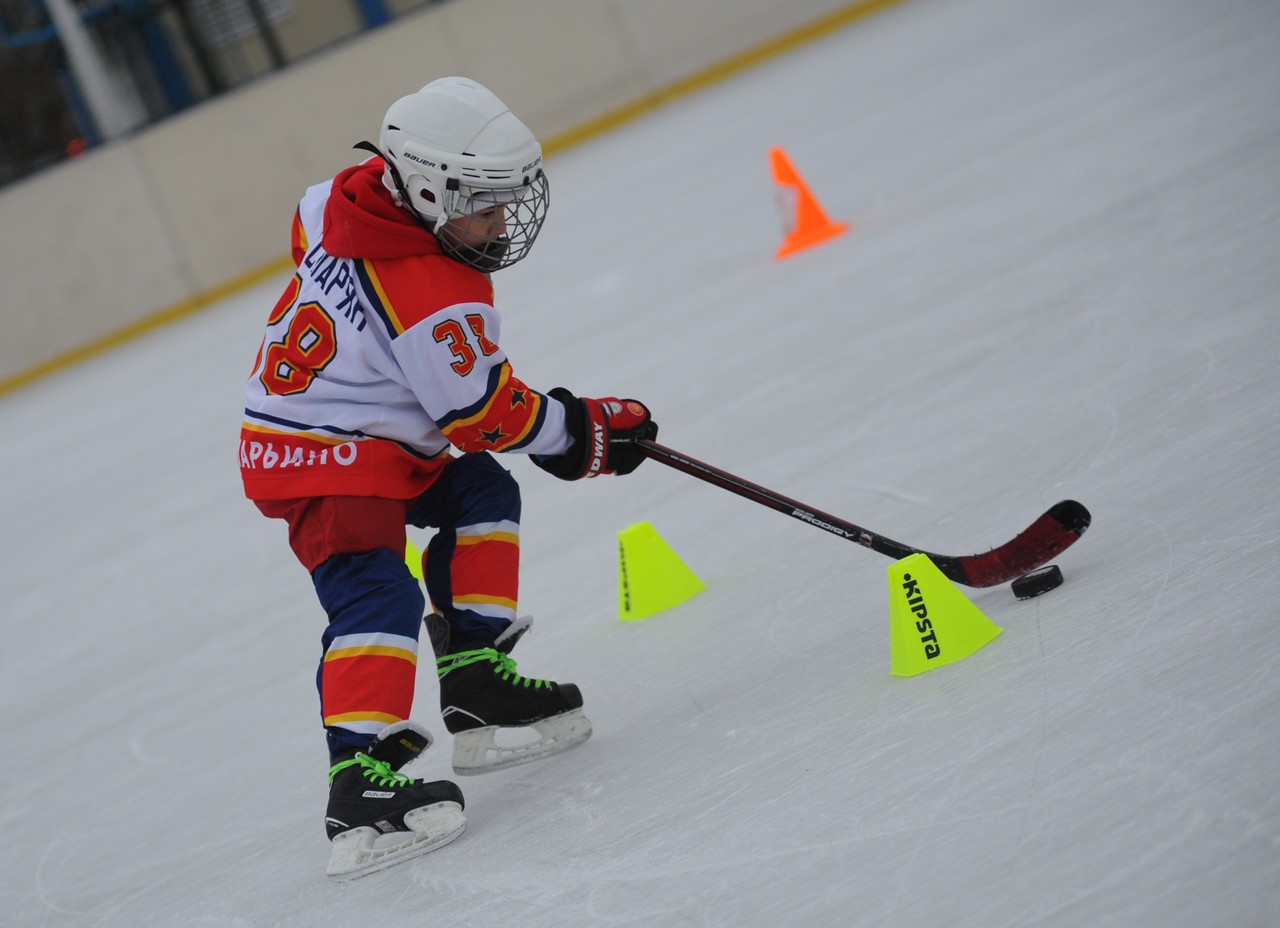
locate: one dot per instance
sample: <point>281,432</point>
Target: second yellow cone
<point>931,623</point>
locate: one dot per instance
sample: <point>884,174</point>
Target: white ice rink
<point>1063,281</point>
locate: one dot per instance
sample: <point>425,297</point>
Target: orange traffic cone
<point>811,225</point>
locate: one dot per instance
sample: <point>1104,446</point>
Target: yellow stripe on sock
<point>346,717</point>
<point>371,651</point>
<point>508,537</point>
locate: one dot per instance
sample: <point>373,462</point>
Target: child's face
<point>480,228</point>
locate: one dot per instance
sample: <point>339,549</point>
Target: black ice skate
<point>481,694</point>
<point>377,816</point>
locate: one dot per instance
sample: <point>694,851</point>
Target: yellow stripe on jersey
<point>388,311</point>
<point>319,437</point>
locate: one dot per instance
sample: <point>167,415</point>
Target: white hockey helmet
<point>454,150</point>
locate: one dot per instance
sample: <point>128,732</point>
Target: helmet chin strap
<point>452,193</point>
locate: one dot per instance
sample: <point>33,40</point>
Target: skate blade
<point>362,851</point>
<point>477,751</point>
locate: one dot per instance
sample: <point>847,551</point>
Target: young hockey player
<point>380,357</point>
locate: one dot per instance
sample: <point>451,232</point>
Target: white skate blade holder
<point>478,750</point>
<point>365,850</point>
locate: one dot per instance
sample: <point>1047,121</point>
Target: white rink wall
<point>156,224</point>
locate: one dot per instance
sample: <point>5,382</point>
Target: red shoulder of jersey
<point>298,245</point>
<point>404,291</point>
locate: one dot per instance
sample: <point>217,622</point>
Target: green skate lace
<point>506,666</point>
<point>378,772</point>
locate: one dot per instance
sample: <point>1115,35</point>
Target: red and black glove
<point>604,433</point>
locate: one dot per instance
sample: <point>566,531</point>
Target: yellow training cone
<point>651,577</point>
<point>413,558</point>
<point>931,622</point>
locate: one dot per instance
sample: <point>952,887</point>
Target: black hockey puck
<point>1038,581</point>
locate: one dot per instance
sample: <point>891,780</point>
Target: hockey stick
<point>1040,542</point>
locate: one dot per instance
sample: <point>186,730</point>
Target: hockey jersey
<point>380,355</point>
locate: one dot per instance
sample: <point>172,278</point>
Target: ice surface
<point>1063,281</point>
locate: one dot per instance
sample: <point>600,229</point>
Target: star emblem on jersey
<point>517,398</point>
<point>493,436</point>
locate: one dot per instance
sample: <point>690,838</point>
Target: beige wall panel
<point>556,63</point>
<point>230,172</point>
<point>84,254</point>
<point>316,24</point>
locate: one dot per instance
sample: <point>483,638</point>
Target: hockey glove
<point>604,433</point>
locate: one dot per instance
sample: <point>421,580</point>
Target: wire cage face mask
<point>492,229</point>
<point>462,162</point>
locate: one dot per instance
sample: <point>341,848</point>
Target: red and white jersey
<point>381,354</point>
